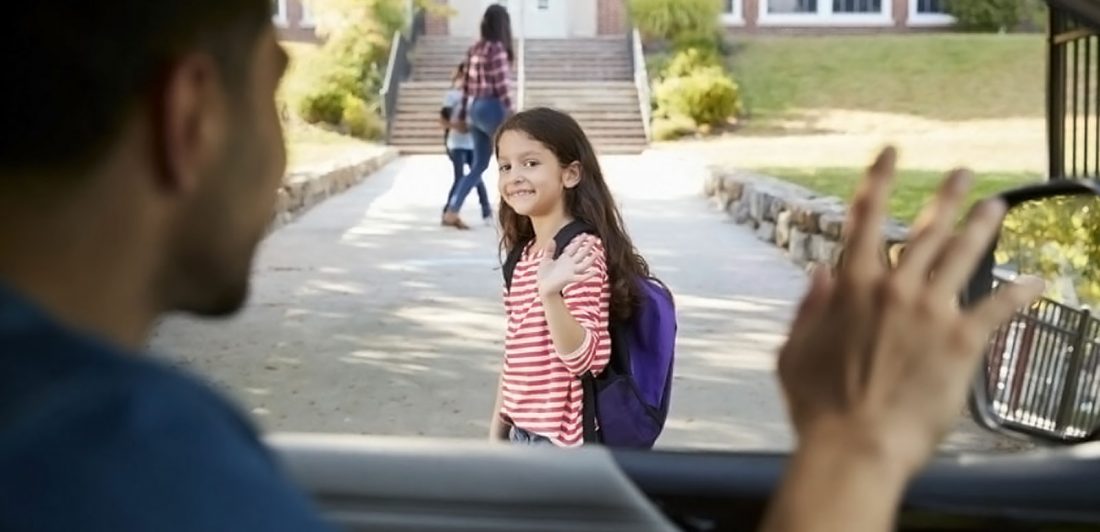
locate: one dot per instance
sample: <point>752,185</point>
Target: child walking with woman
<point>559,302</point>
<point>460,144</point>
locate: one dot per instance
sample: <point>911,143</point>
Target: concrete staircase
<point>591,79</point>
<point>598,59</point>
<point>416,129</point>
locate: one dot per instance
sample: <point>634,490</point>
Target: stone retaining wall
<point>806,224</point>
<point>302,189</point>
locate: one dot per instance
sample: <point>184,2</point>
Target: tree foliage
<point>1057,239</point>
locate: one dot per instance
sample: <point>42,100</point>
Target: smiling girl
<point>559,304</point>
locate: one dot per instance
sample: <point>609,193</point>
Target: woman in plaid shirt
<point>486,103</point>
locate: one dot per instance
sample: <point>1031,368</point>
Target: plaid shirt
<point>487,75</point>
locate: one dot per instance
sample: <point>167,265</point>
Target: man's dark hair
<point>74,69</point>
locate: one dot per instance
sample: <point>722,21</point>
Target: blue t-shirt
<point>93,438</point>
<point>456,140</point>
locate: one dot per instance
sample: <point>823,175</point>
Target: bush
<point>359,120</point>
<point>690,60</point>
<point>339,83</point>
<point>993,15</point>
<point>676,20</point>
<point>673,127</point>
<point>323,105</point>
<point>707,42</point>
<point>708,96</point>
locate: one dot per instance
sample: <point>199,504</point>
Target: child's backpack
<point>630,398</point>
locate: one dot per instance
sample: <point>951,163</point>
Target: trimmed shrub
<point>708,96</point>
<point>359,120</point>
<point>690,60</point>
<point>673,20</point>
<point>995,15</point>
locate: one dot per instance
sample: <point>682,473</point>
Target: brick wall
<point>751,10</point>
<point>294,30</point>
<point>612,17</point>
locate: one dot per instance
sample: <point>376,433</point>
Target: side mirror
<point>1041,376</point>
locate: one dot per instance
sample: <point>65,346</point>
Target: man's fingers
<point>995,310</point>
<point>959,258</point>
<point>864,229</point>
<point>816,298</point>
<point>934,226</point>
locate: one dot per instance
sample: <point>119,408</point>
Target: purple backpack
<point>630,398</point>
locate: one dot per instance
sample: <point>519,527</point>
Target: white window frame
<point>826,17</point>
<point>306,20</point>
<point>280,19</point>
<point>736,17</point>
<point>928,19</point>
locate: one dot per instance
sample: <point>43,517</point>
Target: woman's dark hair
<point>496,25</point>
<point>590,202</point>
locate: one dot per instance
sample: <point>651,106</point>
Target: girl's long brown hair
<point>590,201</point>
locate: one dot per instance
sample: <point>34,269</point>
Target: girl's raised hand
<point>575,265</point>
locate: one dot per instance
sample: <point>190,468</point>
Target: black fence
<point>1044,370</point>
<point>1073,96</point>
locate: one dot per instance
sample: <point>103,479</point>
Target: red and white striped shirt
<point>541,387</point>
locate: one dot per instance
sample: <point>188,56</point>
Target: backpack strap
<point>588,381</point>
<point>588,409</point>
<point>510,262</point>
<point>568,233</point>
<point>561,240</point>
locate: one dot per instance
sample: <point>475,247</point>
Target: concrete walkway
<point>368,317</point>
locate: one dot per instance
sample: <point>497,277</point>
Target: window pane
<point>728,6</point>
<point>792,6</point>
<point>857,6</point>
<point>930,7</point>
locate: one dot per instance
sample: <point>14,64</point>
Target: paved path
<point>368,317</point>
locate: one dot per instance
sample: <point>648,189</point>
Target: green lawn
<point>939,76</point>
<point>308,144</point>
<point>913,188</point>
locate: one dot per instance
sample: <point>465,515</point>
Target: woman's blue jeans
<point>484,117</point>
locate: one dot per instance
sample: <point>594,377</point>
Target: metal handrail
<point>398,68</point>
<point>641,80</point>
<point>391,83</point>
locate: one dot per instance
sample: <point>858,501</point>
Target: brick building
<point>588,18</point>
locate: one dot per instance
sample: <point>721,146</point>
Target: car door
<point>371,483</point>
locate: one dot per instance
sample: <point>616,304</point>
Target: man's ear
<point>571,176</point>
<point>191,122</point>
